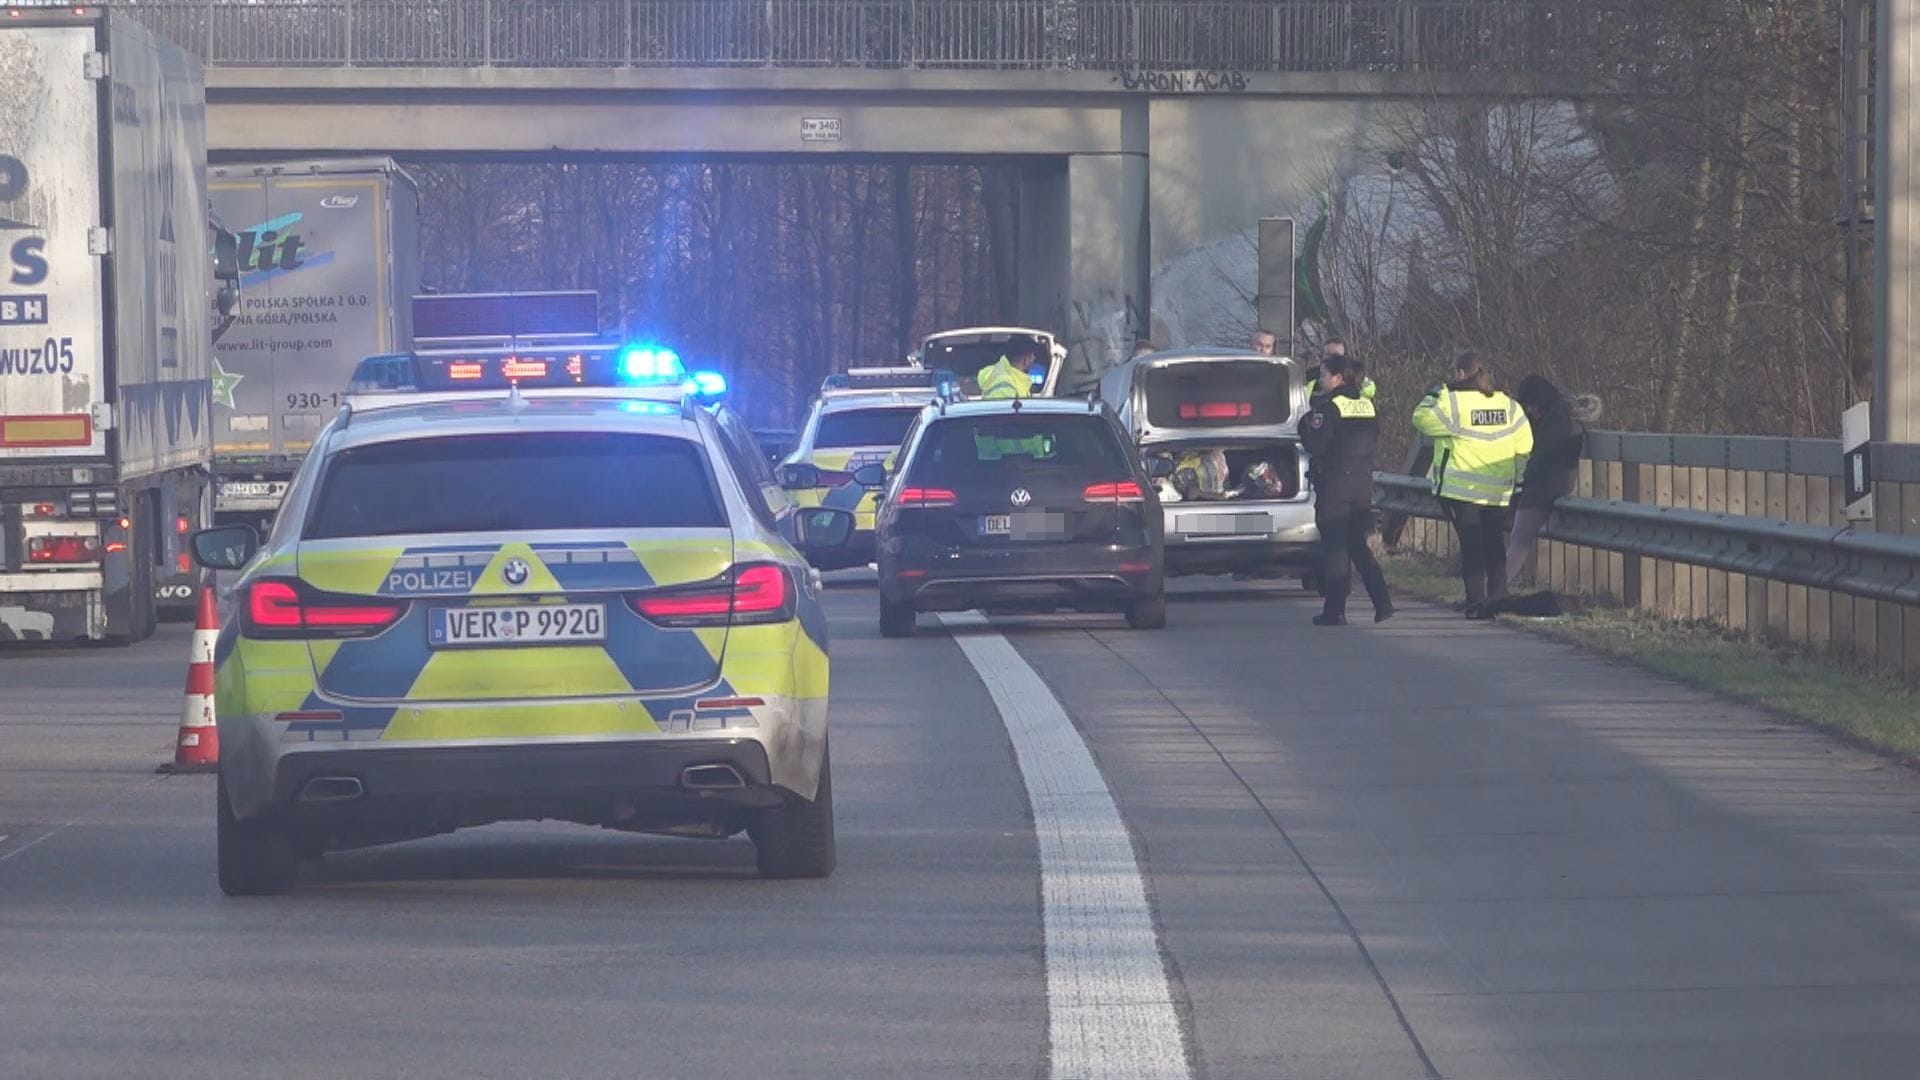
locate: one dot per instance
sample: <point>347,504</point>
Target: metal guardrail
<point>1876,566</point>
<point>1206,37</point>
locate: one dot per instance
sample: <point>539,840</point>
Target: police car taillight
<point>758,593</point>
<point>278,607</point>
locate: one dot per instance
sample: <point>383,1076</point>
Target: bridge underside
<point>1122,184</point>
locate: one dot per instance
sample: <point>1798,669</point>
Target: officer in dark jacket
<point>1341,432</point>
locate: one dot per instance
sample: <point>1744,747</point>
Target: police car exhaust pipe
<point>331,789</point>
<point>711,778</point>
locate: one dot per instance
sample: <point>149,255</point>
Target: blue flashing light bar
<point>647,363</point>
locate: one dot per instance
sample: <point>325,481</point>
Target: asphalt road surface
<point>1241,847</point>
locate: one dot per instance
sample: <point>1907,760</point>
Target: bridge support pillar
<point>1084,258</point>
<point>1896,389</point>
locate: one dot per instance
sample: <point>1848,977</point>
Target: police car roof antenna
<point>515,400</point>
<point>1016,404</point>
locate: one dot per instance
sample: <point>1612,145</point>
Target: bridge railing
<point>1746,532</point>
<point>1113,35</point>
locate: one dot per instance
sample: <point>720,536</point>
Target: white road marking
<point>1110,1011</point>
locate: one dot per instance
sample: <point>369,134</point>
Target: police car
<point>860,418</point>
<point>516,590</point>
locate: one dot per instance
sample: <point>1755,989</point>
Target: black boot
<point>1327,618</point>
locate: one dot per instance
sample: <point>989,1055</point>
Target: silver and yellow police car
<point>501,596</point>
<point>860,418</point>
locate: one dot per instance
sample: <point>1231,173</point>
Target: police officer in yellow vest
<point>1002,379</point>
<point>1341,433</point>
<point>1480,445</point>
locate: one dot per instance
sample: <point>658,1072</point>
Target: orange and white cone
<point>198,748</point>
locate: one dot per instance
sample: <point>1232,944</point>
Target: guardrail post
<point>346,44</point>
<point>1630,569</point>
<point>486,33</point>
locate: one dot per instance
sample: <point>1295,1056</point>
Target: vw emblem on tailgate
<point>1021,496</point>
<point>516,571</point>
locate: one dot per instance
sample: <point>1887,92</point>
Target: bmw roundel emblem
<point>1021,496</point>
<point>516,572</point>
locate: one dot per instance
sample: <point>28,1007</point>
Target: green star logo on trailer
<point>223,385</point>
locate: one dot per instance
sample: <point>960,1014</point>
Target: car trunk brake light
<point>1124,491</point>
<point>758,593</point>
<point>45,550</point>
<point>1216,410</point>
<point>927,496</point>
<point>279,608</point>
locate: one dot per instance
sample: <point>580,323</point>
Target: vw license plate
<point>524,624</point>
<point>996,525</point>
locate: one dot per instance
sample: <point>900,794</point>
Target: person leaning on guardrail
<point>1558,440</point>
<point>1481,440</point>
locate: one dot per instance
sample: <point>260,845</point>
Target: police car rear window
<point>1218,393</point>
<point>864,427</point>
<point>514,482</point>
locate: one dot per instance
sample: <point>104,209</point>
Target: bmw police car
<point>515,591</point>
<point>860,418</point>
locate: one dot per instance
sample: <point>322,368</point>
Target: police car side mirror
<point>871,476</point>
<point>799,477</point>
<point>821,530</point>
<point>1159,468</point>
<point>229,547</point>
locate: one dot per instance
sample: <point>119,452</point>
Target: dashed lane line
<point>1109,1007</point>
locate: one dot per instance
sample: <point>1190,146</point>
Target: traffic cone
<point>198,748</point>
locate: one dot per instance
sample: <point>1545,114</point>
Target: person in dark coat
<point>1559,438</point>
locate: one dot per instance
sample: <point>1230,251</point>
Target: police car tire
<point>796,840</point>
<point>1149,613</point>
<point>897,620</point>
<point>256,858</point>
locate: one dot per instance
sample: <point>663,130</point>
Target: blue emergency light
<point>647,363</point>
<point>707,385</point>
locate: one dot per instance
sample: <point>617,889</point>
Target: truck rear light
<point>927,496</point>
<point>757,593</point>
<point>183,563</point>
<point>45,550</point>
<point>1123,491</point>
<point>181,526</point>
<point>43,510</point>
<point>278,607</point>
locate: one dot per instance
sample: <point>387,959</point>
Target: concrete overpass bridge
<point>1152,135</point>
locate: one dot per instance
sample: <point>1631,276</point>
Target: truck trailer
<point>329,263</point>
<point>107,302</point>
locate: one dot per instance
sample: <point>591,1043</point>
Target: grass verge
<point>1867,707</point>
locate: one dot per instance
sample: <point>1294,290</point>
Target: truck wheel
<point>897,620</point>
<point>796,840</point>
<point>1148,613</point>
<point>256,857</point>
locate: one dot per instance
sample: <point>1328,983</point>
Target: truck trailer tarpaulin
<point>329,261</point>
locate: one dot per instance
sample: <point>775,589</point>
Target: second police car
<point>484,601</point>
<point>859,418</point>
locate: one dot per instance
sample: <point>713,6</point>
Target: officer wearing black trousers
<point>1341,432</point>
